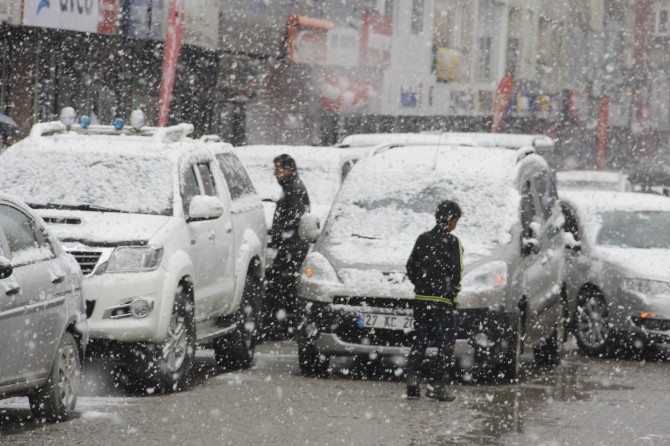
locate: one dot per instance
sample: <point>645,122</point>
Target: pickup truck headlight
<point>317,268</point>
<point>486,277</point>
<point>649,288</point>
<point>132,259</point>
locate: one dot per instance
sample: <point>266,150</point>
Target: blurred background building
<point>311,71</point>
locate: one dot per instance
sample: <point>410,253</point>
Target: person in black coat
<point>291,248</point>
<point>434,267</point>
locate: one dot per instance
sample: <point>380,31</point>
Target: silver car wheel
<point>176,345</point>
<point>68,376</point>
<point>592,323</point>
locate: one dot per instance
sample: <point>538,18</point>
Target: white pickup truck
<point>169,233</point>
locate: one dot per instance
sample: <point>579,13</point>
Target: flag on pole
<point>173,38</point>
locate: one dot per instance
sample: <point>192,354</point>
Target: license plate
<point>386,321</point>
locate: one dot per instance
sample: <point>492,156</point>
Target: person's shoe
<point>439,392</point>
<point>413,391</point>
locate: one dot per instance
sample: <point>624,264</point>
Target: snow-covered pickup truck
<point>168,231</point>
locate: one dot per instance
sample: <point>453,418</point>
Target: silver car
<point>354,285</point>
<point>618,267</point>
<point>43,332</point>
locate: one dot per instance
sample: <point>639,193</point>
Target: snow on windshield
<point>61,174</point>
<point>622,219</point>
<point>642,229</point>
<point>389,209</point>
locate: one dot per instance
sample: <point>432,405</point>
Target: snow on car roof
<point>589,176</point>
<point>457,138</point>
<point>601,201</point>
<point>490,161</point>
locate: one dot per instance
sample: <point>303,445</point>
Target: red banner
<point>501,101</point>
<point>601,133</point>
<point>175,31</point>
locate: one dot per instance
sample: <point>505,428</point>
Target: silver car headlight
<point>131,259</point>
<point>317,268</point>
<point>649,288</point>
<point>489,276</point>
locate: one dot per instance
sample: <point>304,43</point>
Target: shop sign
<point>94,16</point>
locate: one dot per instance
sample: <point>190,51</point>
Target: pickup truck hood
<point>102,228</point>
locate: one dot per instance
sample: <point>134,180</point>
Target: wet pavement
<point>584,401</point>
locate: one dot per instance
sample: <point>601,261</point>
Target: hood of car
<point>642,263</point>
<point>102,228</point>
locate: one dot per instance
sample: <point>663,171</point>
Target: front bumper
<point>104,292</point>
<point>334,329</point>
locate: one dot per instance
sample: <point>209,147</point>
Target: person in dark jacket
<point>291,248</point>
<point>434,268</point>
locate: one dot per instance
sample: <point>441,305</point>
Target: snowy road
<point>583,402</point>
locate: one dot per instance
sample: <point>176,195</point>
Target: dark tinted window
<point>207,179</point>
<point>189,188</point>
<point>238,181</point>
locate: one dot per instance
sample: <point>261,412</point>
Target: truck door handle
<point>12,290</point>
<point>58,279</point>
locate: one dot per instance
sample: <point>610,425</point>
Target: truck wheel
<point>56,399</point>
<point>236,350</point>
<point>167,365</point>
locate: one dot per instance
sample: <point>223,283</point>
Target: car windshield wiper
<point>75,207</point>
<point>365,237</point>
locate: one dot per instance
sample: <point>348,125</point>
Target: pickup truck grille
<point>87,260</point>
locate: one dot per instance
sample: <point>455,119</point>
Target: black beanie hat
<point>446,211</point>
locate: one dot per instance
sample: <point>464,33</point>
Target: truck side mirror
<point>570,242</point>
<point>204,207</point>
<point>309,227</point>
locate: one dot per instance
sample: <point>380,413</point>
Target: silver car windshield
<point>401,205</point>
<point>629,229</point>
<point>110,181</point>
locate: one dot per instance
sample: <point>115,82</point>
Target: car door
<point>205,249</point>
<point>33,302</point>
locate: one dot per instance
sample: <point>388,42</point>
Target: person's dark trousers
<point>281,281</point>
<point>434,324</point>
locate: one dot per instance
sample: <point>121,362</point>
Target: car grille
<point>87,260</point>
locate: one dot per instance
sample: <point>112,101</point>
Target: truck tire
<point>167,365</point>
<point>236,350</point>
<point>57,398</point>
